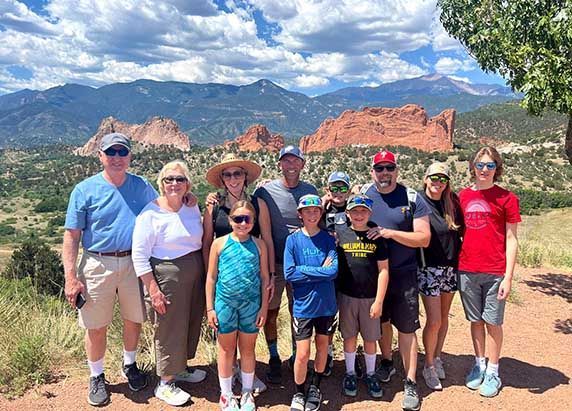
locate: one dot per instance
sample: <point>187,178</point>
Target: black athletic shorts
<point>401,303</point>
<point>303,327</point>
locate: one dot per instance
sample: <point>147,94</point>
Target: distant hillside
<point>211,113</point>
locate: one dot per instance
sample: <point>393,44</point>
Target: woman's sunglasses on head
<point>239,219</point>
<point>441,179</point>
<point>111,152</point>
<point>174,179</point>
<point>491,165</point>
<point>339,189</point>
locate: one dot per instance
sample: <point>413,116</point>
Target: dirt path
<point>536,366</point>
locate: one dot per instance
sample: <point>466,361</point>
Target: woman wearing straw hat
<point>233,175</point>
<point>437,276</point>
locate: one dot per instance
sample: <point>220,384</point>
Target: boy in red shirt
<point>486,264</point>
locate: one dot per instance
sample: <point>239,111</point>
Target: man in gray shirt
<point>281,197</point>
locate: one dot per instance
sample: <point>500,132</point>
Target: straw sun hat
<point>252,169</point>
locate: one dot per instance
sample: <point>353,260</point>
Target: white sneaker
<point>431,379</point>
<point>171,394</point>
<point>258,385</point>
<point>193,375</point>
<point>228,403</point>
<point>439,368</point>
<point>247,402</point>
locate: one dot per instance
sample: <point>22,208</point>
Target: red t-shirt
<point>486,214</point>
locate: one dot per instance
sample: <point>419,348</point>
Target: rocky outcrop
<point>405,126</point>
<point>157,131</point>
<point>257,137</point>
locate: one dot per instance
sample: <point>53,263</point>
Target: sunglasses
<point>111,152</point>
<point>362,201</point>
<point>236,174</point>
<point>379,169</point>
<point>441,179</point>
<point>491,165</point>
<point>239,219</point>
<point>174,179</point>
<point>339,189</point>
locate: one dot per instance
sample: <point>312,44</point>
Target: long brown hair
<point>451,207</point>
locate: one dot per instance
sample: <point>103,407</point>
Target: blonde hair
<point>173,165</point>
<point>243,204</point>
<point>492,153</point>
<point>451,206</point>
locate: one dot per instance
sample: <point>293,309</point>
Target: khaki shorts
<point>104,279</point>
<point>279,285</point>
<point>354,318</point>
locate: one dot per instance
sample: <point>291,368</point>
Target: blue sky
<point>309,46</point>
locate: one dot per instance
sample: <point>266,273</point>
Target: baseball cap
<point>295,151</point>
<point>383,156</point>
<point>310,200</point>
<point>359,200</point>
<point>438,168</point>
<point>112,139</point>
<point>339,176</point>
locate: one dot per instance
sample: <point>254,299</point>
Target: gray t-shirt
<point>282,204</point>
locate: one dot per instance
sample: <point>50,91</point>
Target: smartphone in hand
<point>79,301</point>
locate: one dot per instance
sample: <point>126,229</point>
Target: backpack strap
<point>412,203</point>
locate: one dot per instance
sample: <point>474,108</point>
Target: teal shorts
<point>237,314</point>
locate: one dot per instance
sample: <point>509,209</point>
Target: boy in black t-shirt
<point>362,282</point>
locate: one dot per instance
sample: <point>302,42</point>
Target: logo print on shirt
<point>477,214</point>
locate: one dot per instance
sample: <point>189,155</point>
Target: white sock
<point>128,357</point>
<point>369,363</point>
<point>492,368</point>
<point>225,385</point>
<point>247,380</point>
<point>481,362</point>
<point>350,362</point>
<point>95,367</point>
<point>331,350</point>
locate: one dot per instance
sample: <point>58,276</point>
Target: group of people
<point>354,259</point>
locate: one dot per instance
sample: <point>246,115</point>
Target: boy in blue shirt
<point>311,265</point>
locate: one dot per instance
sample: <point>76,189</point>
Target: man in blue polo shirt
<point>101,215</point>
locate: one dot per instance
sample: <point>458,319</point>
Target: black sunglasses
<point>172,179</point>
<point>436,178</point>
<point>111,152</point>
<point>379,169</point>
<point>239,219</point>
<point>339,189</point>
<point>236,174</point>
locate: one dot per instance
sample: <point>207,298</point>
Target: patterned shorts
<point>436,280</point>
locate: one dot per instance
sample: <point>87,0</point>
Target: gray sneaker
<point>431,378</point>
<point>314,399</point>
<point>385,371</point>
<point>411,400</point>
<point>298,402</point>
<point>440,368</point>
<point>97,395</point>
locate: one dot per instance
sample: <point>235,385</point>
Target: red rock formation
<point>405,126</point>
<point>257,137</point>
<point>157,131</point>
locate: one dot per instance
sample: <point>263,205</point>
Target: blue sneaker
<point>475,378</point>
<point>490,386</point>
<point>350,385</point>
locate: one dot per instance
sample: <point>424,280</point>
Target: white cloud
<point>463,79</point>
<point>448,65</point>
<point>276,11</point>
<point>441,41</point>
<point>309,81</point>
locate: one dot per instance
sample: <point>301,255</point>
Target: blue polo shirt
<point>105,213</point>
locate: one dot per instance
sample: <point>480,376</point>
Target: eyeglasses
<point>111,152</point>
<point>442,179</point>
<point>239,219</point>
<point>339,189</point>
<point>491,165</point>
<point>313,201</point>
<point>236,174</point>
<point>390,168</point>
<point>173,179</point>
<point>361,201</point>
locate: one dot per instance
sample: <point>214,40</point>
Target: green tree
<point>38,261</point>
<point>529,43</point>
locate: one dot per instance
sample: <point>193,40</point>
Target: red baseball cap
<point>383,156</point>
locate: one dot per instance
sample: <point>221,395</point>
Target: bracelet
<point>209,310</point>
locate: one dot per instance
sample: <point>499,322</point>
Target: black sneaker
<point>314,399</point>
<point>385,370</point>
<point>136,379</point>
<point>274,373</point>
<point>410,396</point>
<point>373,387</point>
<point>350,385</point>
<point>329,366</point>
<point>97,395</point>
<point>298,402</point>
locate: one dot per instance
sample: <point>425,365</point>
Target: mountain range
<point>212,113</point>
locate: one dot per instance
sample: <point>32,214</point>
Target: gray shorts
<point>479,296</point>
<point>354,318</point>
<point>279,285</point>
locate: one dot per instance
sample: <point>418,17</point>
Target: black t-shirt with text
<point>357,262</point>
